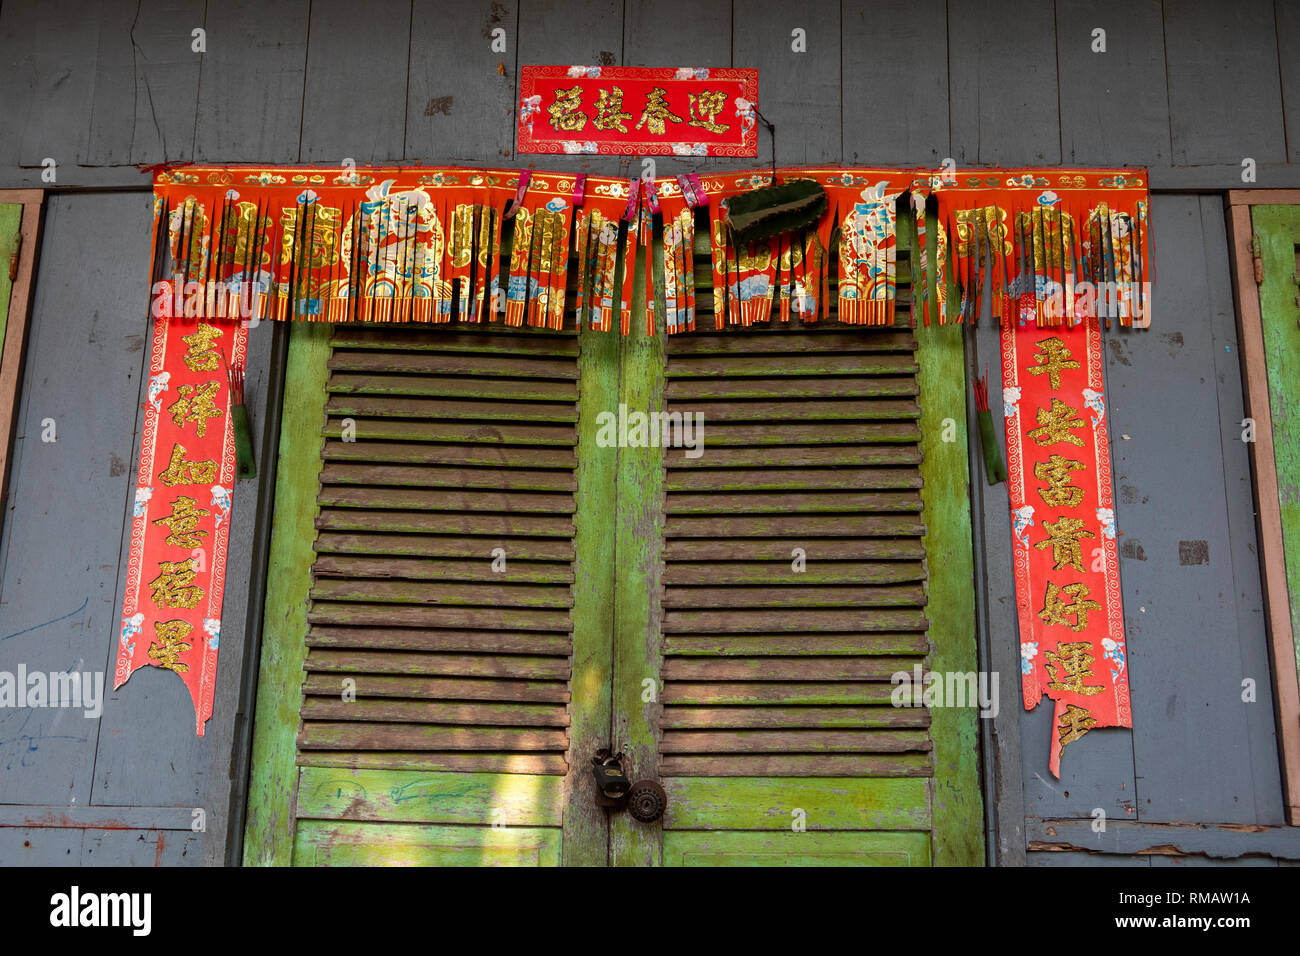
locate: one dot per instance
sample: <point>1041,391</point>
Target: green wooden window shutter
<point>442,581</point>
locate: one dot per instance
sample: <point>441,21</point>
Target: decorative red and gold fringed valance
<point>435,245</point>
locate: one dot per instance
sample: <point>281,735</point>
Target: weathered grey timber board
<point>894,107</point>
<point>1114,103</point>
<point>1225,99</point>
<point>251,82</point>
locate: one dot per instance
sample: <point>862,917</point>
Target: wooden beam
<point>1219,841</point>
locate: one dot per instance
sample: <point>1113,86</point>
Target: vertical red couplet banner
<point>180,524</point>
<point>1062,508</point>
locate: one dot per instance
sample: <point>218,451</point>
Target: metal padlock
<point>612,784</point>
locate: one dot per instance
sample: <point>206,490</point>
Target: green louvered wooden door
<point>477,583</point>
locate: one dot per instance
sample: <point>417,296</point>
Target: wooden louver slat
<point>432,460</point>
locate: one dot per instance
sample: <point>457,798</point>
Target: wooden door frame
<point>13,349</point>
<point>1268,515</point>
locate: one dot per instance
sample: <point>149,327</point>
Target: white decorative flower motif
<point>1028,651</point>
<point>232,194</point>
<point>221,500</point>
<point>131,626</point>
<point>1096,401</point>
<point>571,146</point>
<point>1114,652</point>
<point>691,73</point>
<point>158,385</point>
<point>213,627</point>
<point>1023,518</point>
<point>142,496</point>
<point>1048,198</point>
<point>1010,401</point>
<point>1107,518</point>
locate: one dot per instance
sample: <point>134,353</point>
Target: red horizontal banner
<point>644,111</point>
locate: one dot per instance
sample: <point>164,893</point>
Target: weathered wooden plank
<point>834,363</point>
<point>820,741</point>
<point>785,479</point>
<point>800,90</point>
<point>454,363</point>
<point>818,433</point>
<point>465,113</point>
<point>411,453</point>
<point>435,712</point>
<point>815,549</point>
<point>354,103</point>
<point>436,688</point>
<point>586,826</point>
<point>778,620</point>
<point>856,693</point>
<point>1003,116</point>
<point>1287,21</point>
<point>784,668</point>
<point>507,666</point>
<point>402,615</point>
<point>251,82</point>
<point>435,386</point>
<point>268,833</point>
<point>884,525</point>
<point>414,476</point>
<point>49,52</point>
<point>486,338</point>
<point>738,848</point>
<point>958,808</point>
<point>385,429</point>
<point>340,735</point>
<point>388,406</point>
<point>454,593</point>
<point>793,456</point>
<point>784,645</point>
<point>699,389</point>
<point>797,765</point>
<point>423,639</point>
<point>84,339</point>
<point>463,761</point>
<point>795,594</point>
<point>1114,103</point>
<point>433,569</point>
<point>804,410</point>
<point>798,502</point>
<point>837,803</point>
<point>708,718</point>
<point>407,796</point>
<point>387,844</point>
<point>758,340</point>
<point>639,533</point>
<point>1213,53</point>
<point>348,519</point>
<point>517,549</point>
<point>146,87</point>
<point>768,573</point>
<point>418,499</point>
<point>893,115</point>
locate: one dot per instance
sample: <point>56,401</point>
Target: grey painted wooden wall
<point>1187,87</point>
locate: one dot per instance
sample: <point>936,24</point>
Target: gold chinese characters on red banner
<point>1064,550</point>
<point>180,521</point>
<point>642,111</point>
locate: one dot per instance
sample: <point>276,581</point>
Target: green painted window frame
<point>1264,236</point>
